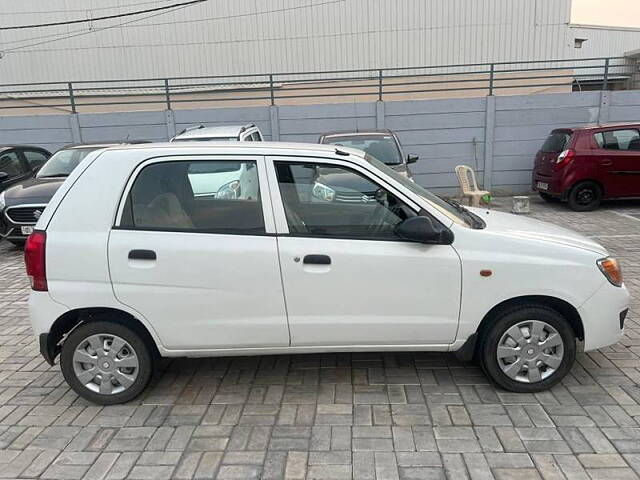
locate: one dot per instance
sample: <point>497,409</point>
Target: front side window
<point>198,196</point>
<point>62,163</point>
<point>380,147</point>
<point>10,164</point>
<point>35,159</point>
<point>624,139</point>
<point>338,202</point>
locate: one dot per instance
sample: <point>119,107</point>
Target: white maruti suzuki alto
<point>312,248</point>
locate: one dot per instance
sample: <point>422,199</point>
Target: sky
<point>620,13</point>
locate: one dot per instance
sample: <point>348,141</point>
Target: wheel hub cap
<point>105,364</point>
<point>530,351</point>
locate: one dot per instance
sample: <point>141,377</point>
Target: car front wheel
<point>528,349</point>
<point>106,362</point>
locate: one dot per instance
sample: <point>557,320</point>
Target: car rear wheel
<point>585,196</point>
<point>548,198</point>
<point>106,362</point>
<point>528,349</point>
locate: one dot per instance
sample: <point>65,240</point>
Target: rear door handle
<point>317,260</point>
<point>142,255</point>
<point>606,163</point>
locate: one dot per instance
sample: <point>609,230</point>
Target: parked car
<point>226,133</point>
<point>22,204</point>
<point>380,144</point>
<point>586,165</point>
<point>137,266</point>
<point>18,162</point>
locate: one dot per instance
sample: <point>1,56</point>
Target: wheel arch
<point>468,350</point>
<point>51,343</point>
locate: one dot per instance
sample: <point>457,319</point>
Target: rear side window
<point>196,196</point>
<point>624,139</point>
<point>556,142</point>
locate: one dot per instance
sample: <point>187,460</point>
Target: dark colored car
<point>22,204</point>
<point>586,165</point>
<point>18,162</point>
<point>380,144</point>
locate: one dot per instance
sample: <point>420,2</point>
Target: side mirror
<point>412,158</point>
<point>4,176</point>
<point>423,230</point>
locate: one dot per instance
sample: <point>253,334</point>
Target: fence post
<point>491,72</point>
<point>605,82</point>
<point>72,99</point>
<point>274,118</point>
<point>380,85</point>
<point>380,115</point>
<point>170,119</point>
<point>167,96</point>
<point>489,136</point>
<point>273,100</point>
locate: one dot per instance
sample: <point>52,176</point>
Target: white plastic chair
<point>468,185</point>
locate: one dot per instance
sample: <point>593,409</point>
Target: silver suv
<point>225,133</point>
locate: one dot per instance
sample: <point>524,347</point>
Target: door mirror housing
<point>412,158</point>
<point>4,176</point>
<point>424,230</point>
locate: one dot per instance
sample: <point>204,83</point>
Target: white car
<point>127,263</point>
<point>224,185</point>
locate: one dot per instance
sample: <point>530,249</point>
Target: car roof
<point>381,131</point>
<point>105,144</point>
<point>250,148</point>
<point>219,131</point>
<point>7,147</point>
<point>594,126</point>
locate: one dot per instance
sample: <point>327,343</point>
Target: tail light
<point>34,258</point>
<point>564,159</point>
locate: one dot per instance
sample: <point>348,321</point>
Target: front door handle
<point>317,260</point>
<point>142,255</point>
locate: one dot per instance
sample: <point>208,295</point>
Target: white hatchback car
<point>128,264</point>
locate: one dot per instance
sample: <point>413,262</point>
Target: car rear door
<point>348,280</point>
<point>202,268</point>
<point>617,154</point>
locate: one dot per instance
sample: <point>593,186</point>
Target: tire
<point>125,382</point>
<point>520,377</point>
<point>585,196</point>
<point>548,198</point>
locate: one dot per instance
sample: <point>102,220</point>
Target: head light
<point>2,201</point>
<point>611,269</point>
<point>229,191</point>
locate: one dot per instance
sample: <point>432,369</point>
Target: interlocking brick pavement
<point>333,416</point>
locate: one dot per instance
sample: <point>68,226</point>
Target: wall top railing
<point>602,73</point>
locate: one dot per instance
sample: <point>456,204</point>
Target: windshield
<point>446,208</point>
<point>62,163</point>
<point>381,147</point>
<point>206,139</point>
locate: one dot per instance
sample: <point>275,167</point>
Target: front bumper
<point>10,230</point>
<point>602,317</point>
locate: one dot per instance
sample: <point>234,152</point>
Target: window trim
<point>265,199</point>
<point>282,227</point>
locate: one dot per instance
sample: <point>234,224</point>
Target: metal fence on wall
<point>360,85</point>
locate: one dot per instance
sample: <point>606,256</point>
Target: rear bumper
<point>602,316</point>
<point>554,186</point>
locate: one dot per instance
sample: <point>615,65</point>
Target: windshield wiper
<point>474,220</point>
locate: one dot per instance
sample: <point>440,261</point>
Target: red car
<point>588,164</point>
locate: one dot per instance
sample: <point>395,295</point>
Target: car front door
<point>348,279</point>
<point>200,266</point>
<point>618,157</point>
